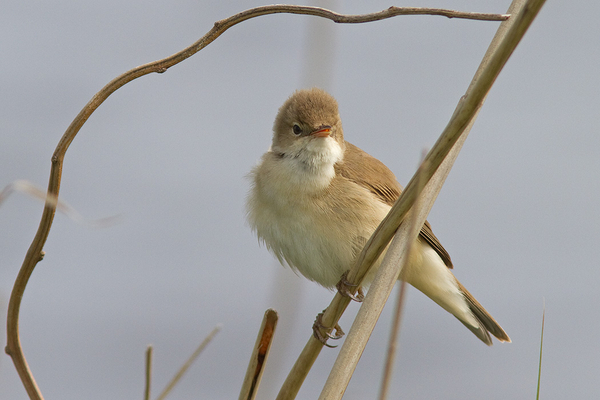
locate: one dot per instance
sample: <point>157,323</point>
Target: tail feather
<point>487,324</point>
<point>480,331</point>
<point>428,273</point>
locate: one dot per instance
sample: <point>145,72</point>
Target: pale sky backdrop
<point>170,152</point>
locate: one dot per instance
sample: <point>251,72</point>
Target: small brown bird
<point>316,199</point>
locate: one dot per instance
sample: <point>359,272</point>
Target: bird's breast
<point>315,222</point>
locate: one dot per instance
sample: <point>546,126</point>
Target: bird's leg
<point>321,332</point>
<point>345,288</point>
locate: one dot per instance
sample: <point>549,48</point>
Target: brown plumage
<point>316,199</point>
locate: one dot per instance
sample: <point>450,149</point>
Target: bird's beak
<point>322,131</point>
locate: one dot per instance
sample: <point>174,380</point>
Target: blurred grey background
<point>169,153</point>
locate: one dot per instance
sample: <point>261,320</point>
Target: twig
<point>188,364</point>
<point>357,19</point>
<point>35,251</point>
<point>259,356</point>
<point>511,32</point>
<point>149,352</point>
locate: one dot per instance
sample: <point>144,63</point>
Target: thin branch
<point>188,364</point>
<point>259,356</point>
<point>508,36</point>
<point>148,374</point>
<point>35,251</point>
<point>357,19</point>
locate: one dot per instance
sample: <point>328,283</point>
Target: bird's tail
<point>487,324</point>
<point>427,272</point>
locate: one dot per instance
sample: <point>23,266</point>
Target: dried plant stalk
<point>413,231</point>
<point>148,381</point>
<point>259,356</point>
<point>397,255</point>
<point>188,363</point>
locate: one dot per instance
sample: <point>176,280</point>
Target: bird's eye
<point>296,129</point>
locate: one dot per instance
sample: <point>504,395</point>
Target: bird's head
<point>308,121</point>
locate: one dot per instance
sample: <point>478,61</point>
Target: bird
<point>315,199</point>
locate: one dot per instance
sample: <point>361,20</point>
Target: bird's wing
<point>427,235</point>
<point>372,174</point>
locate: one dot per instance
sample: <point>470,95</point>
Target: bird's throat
<point>312,166</point>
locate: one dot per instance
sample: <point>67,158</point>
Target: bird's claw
<point>345,289</point>
<point>322,334</point>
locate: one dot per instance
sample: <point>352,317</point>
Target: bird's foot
<point>321,332</point>
<point>345,288</point>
